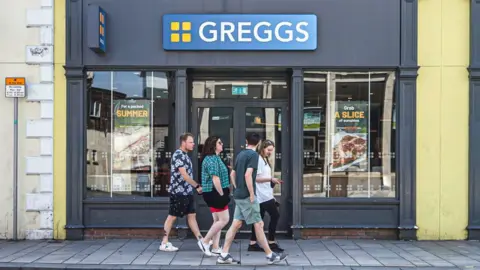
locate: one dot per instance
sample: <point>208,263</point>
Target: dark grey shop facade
<point>127,107</point>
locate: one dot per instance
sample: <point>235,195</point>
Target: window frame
<point>316,201</point>
<point>122,199</point>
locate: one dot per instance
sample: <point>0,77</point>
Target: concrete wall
<point>26,51</point>
<point>442,120</point>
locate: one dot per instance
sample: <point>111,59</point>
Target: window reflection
<point>129,140</point>
<point>349,134</point>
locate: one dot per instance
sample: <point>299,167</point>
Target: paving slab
<point>302,255</point>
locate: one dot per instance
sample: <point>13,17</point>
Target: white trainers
<point>204,248</point>
<point>216,251</point>
<point>168,247</point>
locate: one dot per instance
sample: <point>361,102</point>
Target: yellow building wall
<point>442,119</point>
<point>59,124</point>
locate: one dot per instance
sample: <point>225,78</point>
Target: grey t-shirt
<point>247,158</point>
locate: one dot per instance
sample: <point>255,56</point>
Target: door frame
<point>239,109</point>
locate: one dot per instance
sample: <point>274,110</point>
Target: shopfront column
<point>76,122</point>
<point>297,150</point>
<point>181,126</point>
<point>407,120</point>
<point>474,147</point>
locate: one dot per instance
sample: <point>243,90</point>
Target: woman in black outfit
<point>265,183</point>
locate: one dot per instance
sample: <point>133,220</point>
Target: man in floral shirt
<point>181,191</point>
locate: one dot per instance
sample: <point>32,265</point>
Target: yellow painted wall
<point>442,121</point>
<point>59,124</point>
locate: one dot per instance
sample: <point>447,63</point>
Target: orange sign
<point>15,87</point>
<point>14,81</point>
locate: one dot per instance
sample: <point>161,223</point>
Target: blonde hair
<point>261,146</point>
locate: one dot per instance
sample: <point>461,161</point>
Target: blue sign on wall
<point>96,28</point>
<point>268,32</point>
<point>102,30</point>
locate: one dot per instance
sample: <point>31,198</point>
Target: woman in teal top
<point>216,193</point>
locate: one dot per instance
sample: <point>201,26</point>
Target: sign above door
<point>240,32</point>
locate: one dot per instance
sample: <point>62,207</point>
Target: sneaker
<point>168,247</point>
<point>276,258</point>
<point>227,259</point>
<point>254,247</point>
<point>276,248</point>
<point>216,251</point>
<point>204,248</point>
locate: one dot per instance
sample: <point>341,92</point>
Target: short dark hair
<point>210,146</point>
<point>253,138</point>
<point>184,137</point>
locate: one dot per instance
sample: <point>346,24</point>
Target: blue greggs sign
<point>97,29</point>
<point>101,30</point>
<point>245,32</point>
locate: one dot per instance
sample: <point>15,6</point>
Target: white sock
<point>223,254</point>
<point>270,255</point>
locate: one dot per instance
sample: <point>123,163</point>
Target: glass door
<point>209,120</point>
<point>232,124</point>
<point>271,124</point>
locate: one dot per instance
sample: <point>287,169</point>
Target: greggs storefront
<point>333,83</point>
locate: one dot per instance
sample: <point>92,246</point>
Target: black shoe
<point>276,248</point>
<point>254,247</point>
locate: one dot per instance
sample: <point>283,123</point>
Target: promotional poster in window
<point>350,140</point>
<point>131,141</point>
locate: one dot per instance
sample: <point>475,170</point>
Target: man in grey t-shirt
<point>247,207</point>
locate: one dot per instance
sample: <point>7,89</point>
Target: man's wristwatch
<point>197,186</point>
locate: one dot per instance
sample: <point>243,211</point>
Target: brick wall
<point>379,234</point>
<point>383,234</point>
<point>126,233</point>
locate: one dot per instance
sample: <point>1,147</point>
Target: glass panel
<point>315,179</point>
<point>240,89</point>
<point>216,122</point>
<point>99,139</point>
<point>267,123</point>
<point>382,135</point>
<point>129,116</point>
<point>357,149</point>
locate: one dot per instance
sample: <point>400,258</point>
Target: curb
<point>43,266</point>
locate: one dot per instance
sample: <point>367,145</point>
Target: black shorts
<point>181,205</point>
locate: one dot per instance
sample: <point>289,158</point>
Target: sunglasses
<point>269,143</point>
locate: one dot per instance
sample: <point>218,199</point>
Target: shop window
<point>349,135</point>
<point>129,133</point>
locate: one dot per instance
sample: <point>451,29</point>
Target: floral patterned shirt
<point>178,185</point>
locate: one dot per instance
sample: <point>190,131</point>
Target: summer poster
<point>350,142</point>
<point>131,140</point>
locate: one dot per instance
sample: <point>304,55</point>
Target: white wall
<point>26,50</point>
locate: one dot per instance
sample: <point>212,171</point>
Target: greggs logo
<point>239,32</point>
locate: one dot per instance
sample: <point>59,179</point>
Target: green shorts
<point>247,211</point>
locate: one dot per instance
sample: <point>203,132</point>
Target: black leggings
<point>271,208</point>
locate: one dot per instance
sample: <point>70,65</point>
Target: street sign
<point>15,87</point>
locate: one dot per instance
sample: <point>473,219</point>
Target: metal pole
<point>15,166</point>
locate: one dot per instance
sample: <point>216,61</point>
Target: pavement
<point>303,254</point>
